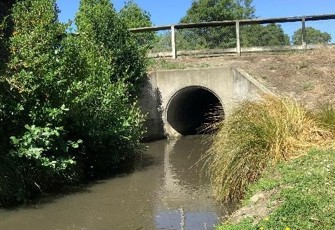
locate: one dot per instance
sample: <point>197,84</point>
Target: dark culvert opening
<point>191,109</point>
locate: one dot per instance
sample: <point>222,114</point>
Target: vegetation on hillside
<point>68,106</point>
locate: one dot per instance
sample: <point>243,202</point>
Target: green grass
<point>307,194</point>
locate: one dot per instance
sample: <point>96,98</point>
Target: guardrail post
<point>173,42</point>
<point>238,42</point>
<point>303,33</point>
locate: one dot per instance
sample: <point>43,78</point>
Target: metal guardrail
<point>237,24</point>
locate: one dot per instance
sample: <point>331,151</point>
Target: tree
<point>134,17</point>
<point>216,10</point>
<point>5,31</point>
<point>114,70</point>
<point>32,110</point>
<point>313,36</point>
<point>258,35</point>
<point>33,69</point>
<point>184,41</point>
<point>103,27</point>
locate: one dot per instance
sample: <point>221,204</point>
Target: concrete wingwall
<point>228,84</point>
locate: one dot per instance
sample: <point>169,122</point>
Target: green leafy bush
<point>45,145</point>
<point>67,102</point>
<point>35,151</point>
<point>112,82</point>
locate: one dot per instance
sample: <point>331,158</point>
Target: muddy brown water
<point>166,190</point>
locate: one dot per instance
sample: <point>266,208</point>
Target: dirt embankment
<point>306,76</point>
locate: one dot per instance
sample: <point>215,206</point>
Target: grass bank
<point>258,134</point>
<point>301,196</point>
<point>262,151</point>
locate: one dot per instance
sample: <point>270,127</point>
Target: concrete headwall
<point>229,85</point>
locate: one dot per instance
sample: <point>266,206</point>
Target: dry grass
<point>325,115</point>
<point>307,76</point>
<point>256,134</point>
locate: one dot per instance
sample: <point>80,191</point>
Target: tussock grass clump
<point>254,135</point>
<point>326,116</point>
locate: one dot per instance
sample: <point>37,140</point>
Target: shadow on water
<point>137,164</point>
<point>164,189</point>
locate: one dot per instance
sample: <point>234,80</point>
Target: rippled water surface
<point>165,191</point>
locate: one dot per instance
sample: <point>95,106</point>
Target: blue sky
<point>171,11</point>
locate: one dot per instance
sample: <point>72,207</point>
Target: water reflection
<point>168,193</point>
<point>185,201</point>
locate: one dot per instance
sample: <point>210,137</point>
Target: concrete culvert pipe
<point>191,108</point>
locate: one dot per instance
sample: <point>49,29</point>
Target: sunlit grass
<point>305,193</point>
<point>257,134</point>
<point>326,116</point>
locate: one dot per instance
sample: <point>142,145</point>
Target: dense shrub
<point>35,84</point>
<point>35,147</point>
<point>67,102</point>
<point>114,73</point>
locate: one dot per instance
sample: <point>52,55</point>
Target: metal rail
<point>237,24</point>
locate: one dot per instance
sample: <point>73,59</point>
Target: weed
<point>307,86</point>
<point>166,64</point>
<point>203,65</point>
<point>302,65</point>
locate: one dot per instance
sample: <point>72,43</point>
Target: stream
<point>167,190</point>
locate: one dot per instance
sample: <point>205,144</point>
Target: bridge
<point>177,102</point>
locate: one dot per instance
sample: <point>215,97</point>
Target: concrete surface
<point>228,85</point>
